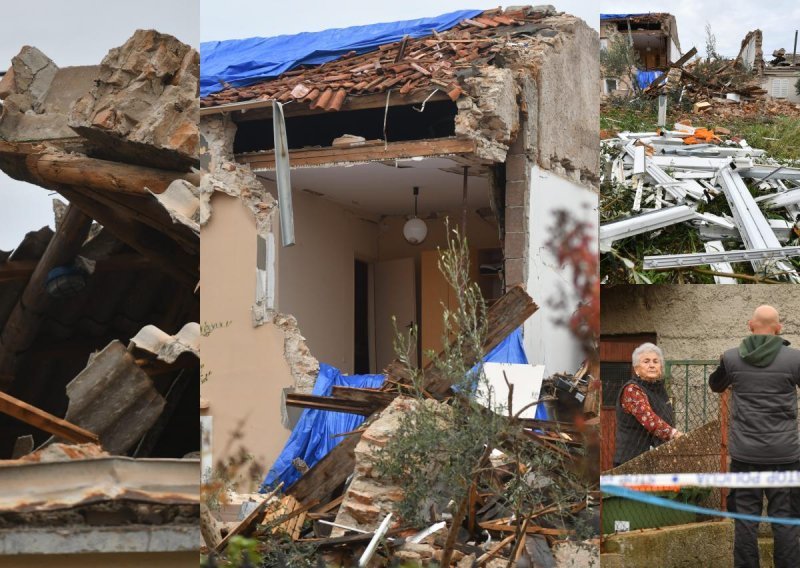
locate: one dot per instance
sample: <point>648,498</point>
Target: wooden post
<point>23,322</point>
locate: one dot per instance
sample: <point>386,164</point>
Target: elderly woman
<point>644,411</point>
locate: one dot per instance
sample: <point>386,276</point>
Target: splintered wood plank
<point>245,527</point>
<point>45,421</point>
<point>329,403</point>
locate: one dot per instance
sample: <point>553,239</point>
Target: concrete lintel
<point>84,539</point>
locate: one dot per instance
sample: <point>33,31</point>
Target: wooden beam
<point>23,322</point>
<point>360,154</point>
<point>373,397</point>
<point>45,421</point>
<point>328,403</point>
<point>507,314</point>
<point>262,109</point>
<point>126,262</point>
<point>75,169</point>
<point>159,248</point>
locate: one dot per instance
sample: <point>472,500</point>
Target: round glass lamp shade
<point>415,230</point>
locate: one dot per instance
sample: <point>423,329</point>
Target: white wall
<point>547,342</point>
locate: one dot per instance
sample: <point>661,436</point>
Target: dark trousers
<point>781,503</point>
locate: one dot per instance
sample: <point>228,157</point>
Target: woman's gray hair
<point>647,348</point>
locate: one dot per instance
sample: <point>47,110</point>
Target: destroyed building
<point>475,116</point>
<point>99,361</point>
<point>470,122</point>
<point>654,38</point>
<point>780,75</point>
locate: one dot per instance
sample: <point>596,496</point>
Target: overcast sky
<point>74,32</point>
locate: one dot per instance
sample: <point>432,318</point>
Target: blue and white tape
<point>760,479</point>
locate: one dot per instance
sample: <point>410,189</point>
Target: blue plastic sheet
<point>644,78</point>
<point>620,16</point>
<point>241,62</point>
<point>312,438</point>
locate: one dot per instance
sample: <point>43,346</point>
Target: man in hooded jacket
<point>763,374</point>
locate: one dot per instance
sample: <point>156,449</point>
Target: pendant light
<point>415,230</point>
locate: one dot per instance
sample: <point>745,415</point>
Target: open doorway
<point>361,313</point>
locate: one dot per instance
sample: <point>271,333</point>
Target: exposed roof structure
<point>433,62</point>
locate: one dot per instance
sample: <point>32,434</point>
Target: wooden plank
<point>23,322</point>
<point>45,421</point>
<point>367,396</point>
<point>531,529</point>
<point>329,403</point>
<point>358,154</point>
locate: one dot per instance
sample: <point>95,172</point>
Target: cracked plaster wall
<point>698,321</point>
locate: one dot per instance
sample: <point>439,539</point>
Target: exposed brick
<point>515,269</point>
<point>517,167</point>
<point>515,245</point>
<point>515,193</point>
<point>516,220</point>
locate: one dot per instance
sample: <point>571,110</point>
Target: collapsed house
<point>654,39</point>
<point>470,122</point>
<point>99,360</point>
<point>702,188</point>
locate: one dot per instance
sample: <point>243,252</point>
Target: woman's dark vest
<point>632,438</point>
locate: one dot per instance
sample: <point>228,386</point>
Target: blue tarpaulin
<point>312,438</point>
<point>621,16</point>
<point>644,78</point>
<point>241,62</point>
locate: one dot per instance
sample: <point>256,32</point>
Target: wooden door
<point>395,295</point>
<point>615,370</point>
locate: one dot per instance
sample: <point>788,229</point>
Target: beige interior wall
<point>246,364</point>
<point>129,560</point>
<point>697,321</point>
<point>316,275</point>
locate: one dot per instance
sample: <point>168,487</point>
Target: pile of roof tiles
<point>431,62</point>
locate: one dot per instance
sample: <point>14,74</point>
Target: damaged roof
<point>434,62</point>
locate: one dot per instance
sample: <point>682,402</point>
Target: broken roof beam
<point>164,253</point>
<point>259,161</point>
<point>23,322</point>
<point>331,403</point>
<point>49,168</point>
<point>45,421</point>
<point>504,316</point>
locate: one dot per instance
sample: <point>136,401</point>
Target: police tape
<point>619,491</point>
<point>666,481</point>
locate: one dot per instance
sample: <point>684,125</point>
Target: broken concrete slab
<point>143,108</point>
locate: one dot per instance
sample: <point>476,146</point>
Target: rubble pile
<point>346,504</point>
<point>711,187</point>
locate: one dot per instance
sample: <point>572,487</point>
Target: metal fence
<point>692,401</point>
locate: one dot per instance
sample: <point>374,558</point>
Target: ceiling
<point>383,189</point>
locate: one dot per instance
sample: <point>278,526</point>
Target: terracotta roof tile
<point>408,65</point>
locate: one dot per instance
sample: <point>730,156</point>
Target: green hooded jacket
<point>761,350</point>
